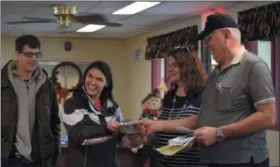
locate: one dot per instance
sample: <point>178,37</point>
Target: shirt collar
<point>238,56</point>
<point>236,59</point>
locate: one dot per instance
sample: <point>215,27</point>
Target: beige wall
<point>132,80</point>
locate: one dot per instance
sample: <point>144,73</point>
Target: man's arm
<point>265,117</point>
<point>171,125</point>
<point>55,126</point>
<point>261,92</point>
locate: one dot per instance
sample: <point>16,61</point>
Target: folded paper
<point>178,144</point>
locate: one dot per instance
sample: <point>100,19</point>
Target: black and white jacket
<point>90,143</point>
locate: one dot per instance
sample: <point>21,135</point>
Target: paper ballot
<point>127,127</point>
<point>180,143</point>
<point>96,140</point>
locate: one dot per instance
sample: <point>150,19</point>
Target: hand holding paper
<point>206,135</point>
<point>127,127</point>
<point>180,143</point>
<point>113,126</point>
<point>147,127</point>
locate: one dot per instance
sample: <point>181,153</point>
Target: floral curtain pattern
<point>261,23</point>
<point>158,47</point>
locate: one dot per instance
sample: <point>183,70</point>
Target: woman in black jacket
<point>91,120</point>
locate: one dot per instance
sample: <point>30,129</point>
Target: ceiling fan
<point>66,15</point>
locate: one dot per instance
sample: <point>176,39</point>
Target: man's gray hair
<point>236,33</point>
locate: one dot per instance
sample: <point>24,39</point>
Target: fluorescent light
<point>90,28</point>
<point>135,7</point>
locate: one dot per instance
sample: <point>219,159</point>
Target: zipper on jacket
<point>36,122</point>
<point>85,159</point>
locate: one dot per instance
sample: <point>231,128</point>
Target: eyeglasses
<point>181,48</point>
<point>208,38</point>
<point>30,54</point>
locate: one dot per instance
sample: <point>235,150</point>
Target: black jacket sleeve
<point>78,125</point>
<point>55,126</point>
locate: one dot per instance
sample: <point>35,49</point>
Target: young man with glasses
<point>30,123</point>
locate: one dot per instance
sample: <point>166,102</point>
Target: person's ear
<point>227,33</point>
<point>17,54</point>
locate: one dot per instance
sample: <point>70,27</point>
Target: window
<point>158,72</point>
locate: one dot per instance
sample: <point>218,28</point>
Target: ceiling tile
<point>109,7</point>
<point>138,20</point>
<point>150,19</point>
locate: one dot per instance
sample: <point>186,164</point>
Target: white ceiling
<point>142,22</point>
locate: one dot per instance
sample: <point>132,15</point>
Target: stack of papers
<point>178,144</point>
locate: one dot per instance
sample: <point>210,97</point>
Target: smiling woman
<point>91,118</point>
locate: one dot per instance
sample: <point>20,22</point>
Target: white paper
<point>97,140</point>
<point>181,140</point>
<point>175,145</point>
<point>128,128</point>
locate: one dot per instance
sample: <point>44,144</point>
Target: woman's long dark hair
<point>107,92</point>
<point>191,70</point>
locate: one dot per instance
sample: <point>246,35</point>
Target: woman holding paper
<point>92,119</point>
<point>183,100</point>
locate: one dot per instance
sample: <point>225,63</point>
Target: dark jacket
<point>84,122</point>
<point>46,130</point>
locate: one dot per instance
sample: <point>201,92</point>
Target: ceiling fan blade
<point>27,22</point>
<point>65,32</point>
<point>87,19</point>
<point>109,23</point>
<point>39,18</point>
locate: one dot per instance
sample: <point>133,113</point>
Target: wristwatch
<point>219,135</point>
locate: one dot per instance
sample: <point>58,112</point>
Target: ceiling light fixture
<point>135,7</point>
<point>90,28</point>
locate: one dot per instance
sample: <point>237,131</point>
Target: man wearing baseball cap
<point>238,103</point>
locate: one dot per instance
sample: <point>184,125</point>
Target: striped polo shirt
<point>176,107</point>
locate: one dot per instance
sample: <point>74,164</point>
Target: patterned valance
<point>158,47</point>
<point>261,23</point>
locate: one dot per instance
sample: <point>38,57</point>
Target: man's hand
<point>206,135</point>
<point>113,126</point>
<point>147,127</point>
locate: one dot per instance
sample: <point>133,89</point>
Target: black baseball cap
<point>217,21</point>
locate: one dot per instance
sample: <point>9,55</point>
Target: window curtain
<point>261,23</point>
<point>159,46</point>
